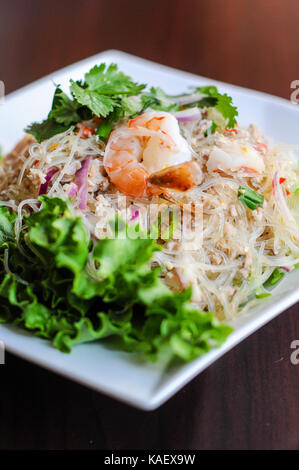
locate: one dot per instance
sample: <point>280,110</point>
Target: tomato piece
<point>85,131</point>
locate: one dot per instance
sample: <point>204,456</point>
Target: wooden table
<point>249,398</point>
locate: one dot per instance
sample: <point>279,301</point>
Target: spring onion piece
<point>274,278</point>
<point>262,295</point>
<point>211,130</point>
<point>251,198</point>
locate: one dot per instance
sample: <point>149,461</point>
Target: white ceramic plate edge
<point>189,371</point>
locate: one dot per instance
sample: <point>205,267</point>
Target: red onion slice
<point>288,270</point>
<point>135,214</point>
<point>82,183</point>
<point>188,99</point>
<point>73,190</point>
<point>44,187</point>
<point>192,114</point>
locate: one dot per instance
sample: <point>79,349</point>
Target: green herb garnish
<point>211,130</point>
<point>276,275</point>
<point>222,102</point>
<point>111,95</point>
<point>262,295</point>
<point>159,100</point>
<point>251,198</point>
<point>104,93</point>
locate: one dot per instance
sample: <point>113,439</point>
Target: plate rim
<point>147,62</point>
<point>164,392</point>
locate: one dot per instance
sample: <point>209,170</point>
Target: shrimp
<point>149,144</point>
<point>235,156</point>
<point>180,177</point>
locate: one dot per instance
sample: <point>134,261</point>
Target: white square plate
<point>119,374</point>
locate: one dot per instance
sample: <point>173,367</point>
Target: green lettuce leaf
<point>63,287</point>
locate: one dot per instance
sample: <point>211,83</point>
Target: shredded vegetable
<point>44,186</point>
<point>82,182</point>
<point>251,198</point>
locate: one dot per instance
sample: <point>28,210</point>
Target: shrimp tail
<point>181,177</point>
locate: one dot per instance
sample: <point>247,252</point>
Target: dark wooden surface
<point>249,398</point>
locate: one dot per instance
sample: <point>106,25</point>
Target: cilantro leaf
<point>159,100</point>
<point>105,93</point>
<point>45,129</point>
<point>111,81</point>
<point>226,108</point>
<point>106,89</point>
<point>222,102</point>
<point>206,102</point>
<point>63,113</point>
<point>131,106</point>
<point>64,110</point>
<point>100,105</point>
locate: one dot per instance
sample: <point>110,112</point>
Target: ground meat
<point>10,169</point>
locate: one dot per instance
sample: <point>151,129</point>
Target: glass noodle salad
<point>109,156</point>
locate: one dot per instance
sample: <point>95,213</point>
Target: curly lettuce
<point>63,287</point>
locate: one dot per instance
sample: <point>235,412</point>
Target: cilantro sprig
<point>159,100</point>
<point>222,102</point>
<point>110,95</point>
<point>105,92</point>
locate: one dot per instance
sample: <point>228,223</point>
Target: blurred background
<point>248,398</point>
<point>250,43</point>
